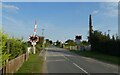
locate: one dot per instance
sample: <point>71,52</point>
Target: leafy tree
<point>102,43</point>
<point>47,43</point>
<point>10,47</point>
<point>58,43</point>
<point>113,38</point>
<point>39,44</point>
<point>70,42</point>
<point>50,42</point>
<point>3,49</point>
<point>84,43</point>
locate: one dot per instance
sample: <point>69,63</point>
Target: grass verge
<point>33,65</point>
<point>98,56</point>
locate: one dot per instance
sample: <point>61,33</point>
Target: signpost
<point>34,38</point>
<point>77,40</point>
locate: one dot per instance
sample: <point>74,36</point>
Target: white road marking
<point>41,52</point>
<point>61,60</point>
<point>66,58</point>
<point>81,68</point>
<point>45,55</point>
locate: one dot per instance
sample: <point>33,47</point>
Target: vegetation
<point>16,47</point>
<point>33,65</point>
<point>39,45</point>
<point>10,47</point>
<point>3,55</point>
<point>48,43</point>
<point>70,42</point>
<point>98,56</point>
<point>104,44</point>
<point>84,43</point>
<point>58,44</point>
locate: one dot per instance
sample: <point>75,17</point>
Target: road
<point>58,60</point>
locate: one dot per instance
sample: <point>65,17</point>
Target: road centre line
<point>81,68</point>
<point>77,65</point>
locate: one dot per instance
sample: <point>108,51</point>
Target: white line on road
<point>81,68</point>
<point>45,55</point>
<point>41,52</point>
<point>66,58</point>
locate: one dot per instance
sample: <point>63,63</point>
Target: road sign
<point>77,39</point>
<point>34,38</point>
<point>33,43</point>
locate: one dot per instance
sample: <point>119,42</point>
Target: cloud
<point>5,6</point>
<point>9,19</point>
<point>111,9</point>
<point>112,13</point>
<point>95,12</point>
<point>8,7</point>
<point>108,9</point>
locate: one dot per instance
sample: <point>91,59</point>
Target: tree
<point>11,47</point>
<point>113,38</point>
<point>102,43</point>
<point>84,43</point>
<point>50,42</point>
<point>70,42</point>
<point>3,49</point>
<point>58,43</point>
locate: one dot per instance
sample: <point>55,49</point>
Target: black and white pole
<point>34,42</point>
<point>34,38</point>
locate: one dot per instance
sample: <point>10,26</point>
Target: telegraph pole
<point>90,25</point>
<point>43,32</point>
<point>108,31</point>
<point>90,28</point>
<point>43,45</point>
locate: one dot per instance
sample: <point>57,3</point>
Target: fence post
<point>13,65</point>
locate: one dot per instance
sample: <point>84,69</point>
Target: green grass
<point>98,56</point>
<point>33,65</point>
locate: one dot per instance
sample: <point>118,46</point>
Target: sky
<point>61,20</point>
<point>60,0</point>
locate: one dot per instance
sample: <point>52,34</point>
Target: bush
<point>11,47</point>
<point>102,43</point>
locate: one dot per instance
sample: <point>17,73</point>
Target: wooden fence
<point>13,65</point>
<point>81,48</point>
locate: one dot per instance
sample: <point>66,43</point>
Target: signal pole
<point>34,38</point>
<point>35,27</point>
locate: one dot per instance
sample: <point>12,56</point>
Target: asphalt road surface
<point>58,60</point>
